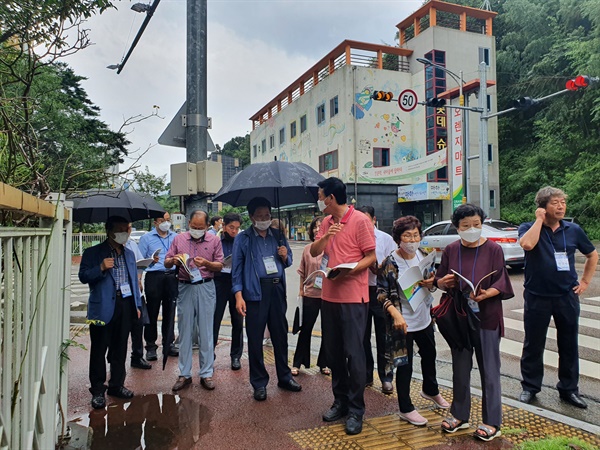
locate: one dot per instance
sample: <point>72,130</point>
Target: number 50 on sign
<point>407,100</point>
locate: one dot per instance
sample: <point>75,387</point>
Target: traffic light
<point>581,81</point>
<point>525,103</point>
<point>382,96</point>
<point>436,102</point>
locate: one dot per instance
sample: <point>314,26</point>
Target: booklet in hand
<point>329,272</point>
<point>470,288</point>
<point>409,281</point>
<point>147,262</point>
<point>226,264</point>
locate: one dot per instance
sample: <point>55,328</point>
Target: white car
<point>136,235</point>
<point>505,234</point>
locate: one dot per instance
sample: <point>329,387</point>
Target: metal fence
<point>81,241</point>
<point>35,268</point>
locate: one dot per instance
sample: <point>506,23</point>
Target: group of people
<point>246,271</point>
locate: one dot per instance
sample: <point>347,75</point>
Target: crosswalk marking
<point>594,299</point>
<point>583,321</point>
<point>587,368</point>
<point>584,341</point>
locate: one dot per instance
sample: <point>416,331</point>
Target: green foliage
<point>241,210</point>
<point>556,443</point>
<point>238,147</point>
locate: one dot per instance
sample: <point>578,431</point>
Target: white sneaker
<point>414,417</point>
<point>439,401</point>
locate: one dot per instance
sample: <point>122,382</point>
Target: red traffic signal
<point>382,96</point>
<point>581,81</point>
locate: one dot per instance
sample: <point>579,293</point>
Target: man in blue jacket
<point>260,256</point>
<point>114,304</point>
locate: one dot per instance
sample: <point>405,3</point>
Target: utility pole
<point>484,194</point>
<point>196,120</point>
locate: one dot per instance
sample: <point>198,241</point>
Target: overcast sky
<point>255,50</point>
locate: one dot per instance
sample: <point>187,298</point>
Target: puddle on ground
<point>159,421</point>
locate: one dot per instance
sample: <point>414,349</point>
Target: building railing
<point>348,53</point>
<point>35,273</point>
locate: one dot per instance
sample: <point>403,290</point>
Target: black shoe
<point>151,355</point>
<point>174,351</point>
<point>236,364</point>
<point>260,394</point>
<point>336,412</point>
<point>98,401</point>
<point>120,392</point>
<point>574,399</point>
<point>141,364</point>
<point>354,424</point>
<point>526,397</point>
<point>290,385</point>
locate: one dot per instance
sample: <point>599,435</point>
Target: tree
<point>238,147</point>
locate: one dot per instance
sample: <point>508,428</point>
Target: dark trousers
<point>161,289</point>
<point>270,310</point>
<point>425,339</point>
<point>137,345</point>
<point>310,311</point>
<point>538,311</point>
<point>376,315</point>
<point>111,338</point>
<point>224,297</point>
<point>343,327</point>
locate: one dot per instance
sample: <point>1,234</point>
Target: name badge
<point>195,275</point>
<point>562,262</point>
<point>473,305</point>
<point>318,283</point>
<point>226,270</point>
<point>324,262</point>
<point>270,265</point>
<point>125,290</point>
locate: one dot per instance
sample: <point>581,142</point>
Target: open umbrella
<point>97,205</point>
<point>281,182</point>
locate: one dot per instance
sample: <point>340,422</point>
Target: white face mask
<point>262,225</point>
<point>410,247</point>
<point>471,235</point>
<point>197,234</point>
<point>121,238</point>
<point>321,204</point>
<point>165,226</point>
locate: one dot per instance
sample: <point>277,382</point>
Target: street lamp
<point>140,7</point>
<point>464,119</point>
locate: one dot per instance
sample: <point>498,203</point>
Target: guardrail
<point>81,241</point>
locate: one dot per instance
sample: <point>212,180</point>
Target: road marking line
<point>584,341</point>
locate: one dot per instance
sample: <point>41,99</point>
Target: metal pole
<point>196,87</point>
<point>484,194</point>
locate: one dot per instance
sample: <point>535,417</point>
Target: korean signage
<point>456,158</point>
<point>423,191</point>
<point>408,172</point>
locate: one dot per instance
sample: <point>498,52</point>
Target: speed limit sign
<point>407,100</point>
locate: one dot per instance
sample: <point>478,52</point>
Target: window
<point>381,157</point>
<point>484,55</point>
<point>492,198</point>
<point>320,113</point>
<point>490,153</point>
<point>438,230</point>
<point>271,142</point>
<point>489,102</point>
<point>282,136</point>
<point>333,106</point>
<point>254,150</point>
<point>264,145</point>
<point>303,123</point>
<point>328,161</point>
<point>293,130</point>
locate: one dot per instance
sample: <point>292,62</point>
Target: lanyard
<point>552,244</point>
<point>460,265</point>
<point>161,239</point>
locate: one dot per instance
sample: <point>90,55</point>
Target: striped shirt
<point>209,248</point>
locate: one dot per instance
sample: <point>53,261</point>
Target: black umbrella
<point>97,205</point>
<point>457,322</point>
<point>281,182</point>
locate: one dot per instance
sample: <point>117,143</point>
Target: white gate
<point>35,268</point>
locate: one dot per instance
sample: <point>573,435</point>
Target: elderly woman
<point>416,323</point>
<point>474,257</point>
<point>311,305</point>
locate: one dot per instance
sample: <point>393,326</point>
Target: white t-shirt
<point>384,245</point>
<point>421,318</point>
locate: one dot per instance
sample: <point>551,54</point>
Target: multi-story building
<point>400,157</point>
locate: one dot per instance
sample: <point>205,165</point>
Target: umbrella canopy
<point>281,182</point>
<point>97,205</point>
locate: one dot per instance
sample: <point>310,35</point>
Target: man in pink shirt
<point>197,296</point>
<point>345,236</point>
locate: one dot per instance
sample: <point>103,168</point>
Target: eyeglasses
<point>410,237</point>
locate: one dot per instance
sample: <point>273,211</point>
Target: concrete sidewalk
<point>229,418</point>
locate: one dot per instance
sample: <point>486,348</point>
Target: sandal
<point>488,433</point>
<point>295,371</point>
<point>453,425</point>
<point>325,370</point>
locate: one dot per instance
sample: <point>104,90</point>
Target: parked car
<point>440,234</point>
<point>136,235</point>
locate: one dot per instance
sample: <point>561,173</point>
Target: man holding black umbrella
<point>110,270</point>
<point>260,256</point>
